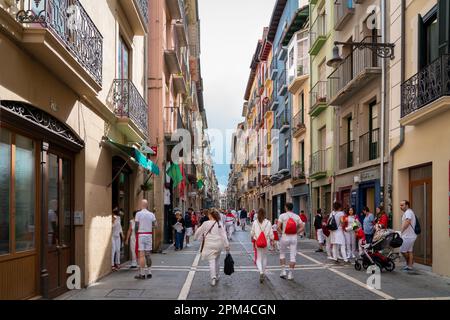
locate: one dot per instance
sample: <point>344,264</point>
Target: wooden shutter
<point>444,26</point>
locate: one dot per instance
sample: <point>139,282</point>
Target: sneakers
<point>188,245</point>
<point>407,268</point>
<point>290,276</point>
<point>283,274</point>
<point>149,276</point>
<point>261,277</point>
<point>213,282</point>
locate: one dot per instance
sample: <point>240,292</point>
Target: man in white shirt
<point>408,234</point>
<point>145,221</point>
<point>288,241</point>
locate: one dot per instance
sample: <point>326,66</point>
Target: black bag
<point>396,241</point>
<point>331,224</point>
<point>417,228</point>
<point>228,265</point>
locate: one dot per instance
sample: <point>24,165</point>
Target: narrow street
<point>183,275</point>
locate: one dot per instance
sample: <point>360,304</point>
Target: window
<point>291,57</point>
<point>23,207</point>
<point>123,60</point>
<point>301,100</point>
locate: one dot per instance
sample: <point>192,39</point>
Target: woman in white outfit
<point>116,239</point>
<point>131,238</point>
<point>262,225</point>
<point>350,239</point>
<point>215,239</point>
<point>337,236</point>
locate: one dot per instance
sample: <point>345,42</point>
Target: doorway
<point>60,221</point>
<point>121,173</point>
<point>420,193</point>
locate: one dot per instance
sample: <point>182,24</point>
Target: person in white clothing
<point>229,224</point>
<point>408,234</point>
<point>350,238</point>
<point>145,221</point>
<point>214,239</point>
<point>131,239</point>
<point>261,225</point>
<point>288,241</point>
<point>337,236</point>
<point>117,237</point>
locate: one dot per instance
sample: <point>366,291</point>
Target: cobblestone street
<point>183,275</point>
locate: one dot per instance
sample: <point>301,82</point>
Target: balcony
<point>318,165</point>
<point>72,52</point>
<point>346,155</point>
<point>282,164</point>
<point>301,75</point>
<point>172,122</point>
<point>319,100</point>
<point>298,172</point>
<point>179,83</point>
<point>137,14</point>
<point>427,93</point>
<point>282,85</point>
<point>282,53</point>
<point>172,59</point>
<point>298,125</point>
<point>274,99</point>
<point>318,34</point>
<point>343,12</point>
<point>175,8</point>
<point>369,146</point>
<point>131,110</point>
<point>180,31</point>
<point>357,70</point>
<point>251,184</point>
<point>274,69</point>
<point>283,122</point>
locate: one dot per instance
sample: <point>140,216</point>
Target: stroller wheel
<point>390,266</point>
<point>357,266</point>
<point>365,265</point>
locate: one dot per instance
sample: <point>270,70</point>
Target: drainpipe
<point>383,99</point>
<point>402,128</point>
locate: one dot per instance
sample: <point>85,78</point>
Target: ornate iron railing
<point>129,103</point>
<point>143,8</point>
<point>353,65</point>
<point>319,94</point>
<point>431,83</point>
<point>318,162</point>
<point>318,29</point>
<point>298,122</point>
<point>71,24</point>
<point>369,146</point>
<point>346,155</point>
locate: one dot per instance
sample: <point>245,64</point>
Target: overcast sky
<point>229,34</point>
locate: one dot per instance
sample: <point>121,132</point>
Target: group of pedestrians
<point>343,234</point>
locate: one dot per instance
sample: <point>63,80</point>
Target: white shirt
<point>166,196</point>
<point>409,232</point>
<point>145,219</point>
<point>116,228</point>
<point>285,217</point>
<point>265,227</point>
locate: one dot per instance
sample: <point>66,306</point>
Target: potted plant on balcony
<point>147,186</point>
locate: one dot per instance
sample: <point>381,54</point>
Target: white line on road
<point>355,281</point>
<point>187,285</point>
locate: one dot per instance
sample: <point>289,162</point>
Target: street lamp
<point>382,50</point>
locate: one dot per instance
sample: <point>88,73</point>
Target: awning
<point>134,154</point>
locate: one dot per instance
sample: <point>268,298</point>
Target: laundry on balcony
<point>131,153</point>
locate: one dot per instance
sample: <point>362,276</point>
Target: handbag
<point>204,237</point>
<point>228,265</point>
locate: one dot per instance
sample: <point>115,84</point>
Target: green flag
<point>199,184</point>
<point>175,174</point>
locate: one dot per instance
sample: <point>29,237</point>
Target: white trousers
<point>133,251</point>
<point>335,251</point>
<point>328,246</point>
<point>214,267</point>
<point>350,243</point>
<point>115,258</point>
<point>288,244</point>
<point>261,259</point>
<point>230,229</point>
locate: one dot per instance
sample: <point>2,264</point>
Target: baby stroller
<point>380,252</point>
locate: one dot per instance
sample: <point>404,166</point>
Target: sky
<point>229,32</point>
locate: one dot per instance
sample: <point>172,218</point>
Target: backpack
<point>261,242</point>
<point>291,226</point>
<point>417,228</point>
<point>331,224</point>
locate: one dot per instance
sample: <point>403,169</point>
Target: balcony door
<point>123,60</point>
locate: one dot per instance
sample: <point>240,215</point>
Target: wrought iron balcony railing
<point>369,146</point>
<point>346,155</point>
<point>298,122</point>
<point>80,35</point>
<point>430,84</point>
<point>355,64</point>
<point>143,9</point>
<point>318,162</point>
<point>319,94</point>
<point>317,33</point>
<point>343,10</point>
<point>129,103</point>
